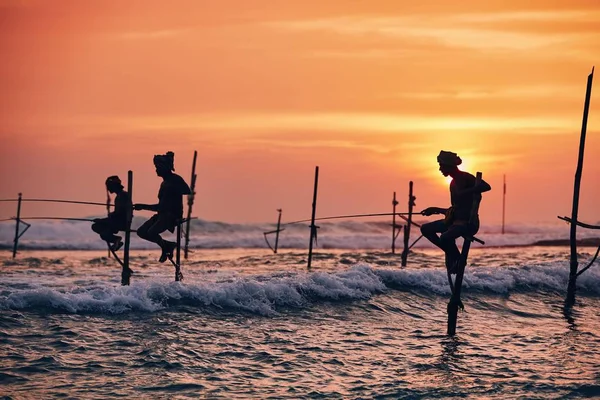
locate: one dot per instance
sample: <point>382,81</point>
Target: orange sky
<point>370,91</point>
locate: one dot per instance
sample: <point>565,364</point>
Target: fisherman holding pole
<point>463,193</point>
<point>169,210</point>
<point>116,220</point>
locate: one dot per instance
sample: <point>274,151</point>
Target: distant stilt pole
<point>394,226</point>
<point>178,255</point>
<point>313,227</point>
<point>503,202</point>
<point>108,213</point>
<point>455,302</point>
<point>16,241</point>
<point>191,197</point>
<point>126,271</point>
<point>411,203</point>
<point>573,234</point>
<point>278,230</point>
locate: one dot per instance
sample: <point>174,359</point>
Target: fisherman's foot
<point>117,245</point>
<point>167,251</point>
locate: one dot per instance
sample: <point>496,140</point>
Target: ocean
<point>248,323</point>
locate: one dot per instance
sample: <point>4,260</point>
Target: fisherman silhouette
<point>169,209</point>
<point>463,192</point>
<point>116,220</point>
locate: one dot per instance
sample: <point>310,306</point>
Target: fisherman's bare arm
<point>149,207</point>
<point>434,210</point>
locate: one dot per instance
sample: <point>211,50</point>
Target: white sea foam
<point>269,294</point>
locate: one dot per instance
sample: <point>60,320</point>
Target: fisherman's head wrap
<point>165,161</point>
<point>449,158</point>
<point>113,181</point>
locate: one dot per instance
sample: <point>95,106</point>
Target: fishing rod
<point>57,218</point>
<point>59,201</point>
<point>346,216</point>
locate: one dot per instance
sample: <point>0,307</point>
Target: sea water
<point>247,323</point>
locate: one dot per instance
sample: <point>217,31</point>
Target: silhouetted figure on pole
<point>169,210</point>
<point>116,220</point>
<point>456,221</point>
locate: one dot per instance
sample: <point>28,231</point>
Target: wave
<point>268,295</point>
<point>74,235</point>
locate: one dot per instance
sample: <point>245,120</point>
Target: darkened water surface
<point>248,324</point>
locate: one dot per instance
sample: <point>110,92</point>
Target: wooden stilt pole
<point>278,230</point>
<point>191,197</point>
<point>108,213</point>
<point>313,227</point>
<point>126,271</point>
<point>18,221</point>
<point>455,302</point>
<point>411,203</point>
<point>178,275</point>
<point>503,202</point>
<point>394,226</point>
<point>573,234</point>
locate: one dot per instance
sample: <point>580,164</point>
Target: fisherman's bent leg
<point>104,228</point>
<point>161,224</point>
<point>145,231</point>
<point>430,231</point>
<point>449,246</point>
<point>448,238</point>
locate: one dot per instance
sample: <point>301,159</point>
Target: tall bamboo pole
<point>394,204</point>
<point>191,198</point>
<point>455,302</point>
<point>16,241</point>
<point>503,201</point>
<point>411,203</point>
<point>577,184</point>
<point>126,271</point>
<point>313,227</point>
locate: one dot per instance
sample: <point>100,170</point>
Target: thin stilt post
<point>278,230</point>
<point>573,234</point>
<point>108,212</point>
<point>313,227</point>
<point>16,241</point>
<point>503,201</point>
<point>455,302</point>
<point>394,236</point>
<point>191,197</point>
<point>178,255</point>
<point>411,203</point>
<point>126,271</point>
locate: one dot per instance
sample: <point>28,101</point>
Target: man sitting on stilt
<point>169,210</point>
<point>116,220</point>
<point>463,193</point>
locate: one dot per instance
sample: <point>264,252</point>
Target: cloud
<point>479,31</point>
<point>153,34</point>
<point>249,124</point>
<point>521,92</point>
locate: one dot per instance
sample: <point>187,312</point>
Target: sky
<point>369,91</point>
